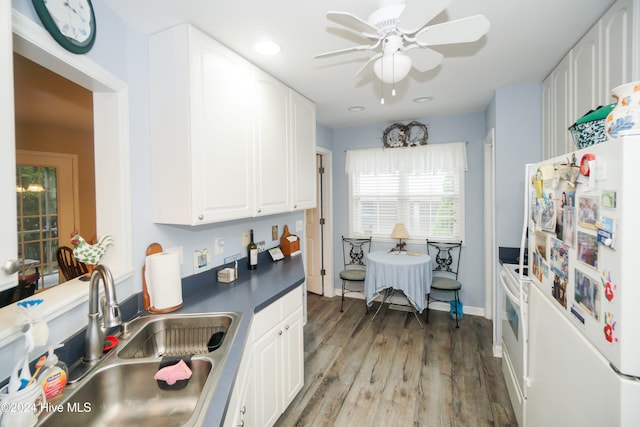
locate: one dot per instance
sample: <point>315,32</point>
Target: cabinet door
<point>267,397</point>
<point>271,145</point>
<point>562,115</point>
<point>618,47</point>
<point>586,74</point>
<point>8,234</point>
<point>547,119</point>
<point>303,147</point>
<point>222,94</point>
<point>292,357</point>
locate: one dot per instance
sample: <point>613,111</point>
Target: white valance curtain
<point>451,157</point>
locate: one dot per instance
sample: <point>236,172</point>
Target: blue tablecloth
<point>409,273</point>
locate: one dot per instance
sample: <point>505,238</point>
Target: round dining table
<point>408,271</point>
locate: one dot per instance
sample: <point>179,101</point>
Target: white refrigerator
<point>584,302</point>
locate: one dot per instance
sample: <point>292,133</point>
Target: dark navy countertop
<point>253,291</point>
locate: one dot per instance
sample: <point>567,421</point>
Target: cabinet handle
<point>243,410</point>
<point>200,217</point>
<point>295,206</point>
<point>286,327</point>
<point>259,210</point>
<point>241,423</point>
<point>280,332</point>
<point>11,266</point>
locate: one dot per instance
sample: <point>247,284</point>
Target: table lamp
<point>399,232</point>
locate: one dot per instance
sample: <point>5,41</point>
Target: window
<point>422,187</point>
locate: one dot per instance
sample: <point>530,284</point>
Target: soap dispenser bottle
<point>53,377</point>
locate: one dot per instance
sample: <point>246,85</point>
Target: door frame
<point>327,198</point>
<point>489,224</point>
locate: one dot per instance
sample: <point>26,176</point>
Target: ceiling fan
<point>398,32</point>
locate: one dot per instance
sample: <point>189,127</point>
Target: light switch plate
<point>245,238</point>
<point>299,225</point>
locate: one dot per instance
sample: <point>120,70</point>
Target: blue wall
<point>514,112</point>
<point>470,128</point>
<point>124,53</point>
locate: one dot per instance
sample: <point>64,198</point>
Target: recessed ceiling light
<point>421,99</point>
<point>267,48</point>
<point>356,108</point>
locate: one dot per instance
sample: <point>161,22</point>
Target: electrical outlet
<point>299,226</point>
<point>274,232</point>
<point>219,246</point>
<point>260,246</point>
<point>201,260</point>
<point>245,238</point>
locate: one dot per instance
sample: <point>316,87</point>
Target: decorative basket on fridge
<point>590,129</point>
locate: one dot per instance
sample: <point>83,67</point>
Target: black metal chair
<point>446,265</point>
<point>68,265</point>
<point>354,253</point>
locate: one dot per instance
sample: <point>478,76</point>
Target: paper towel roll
<point>163,280</point>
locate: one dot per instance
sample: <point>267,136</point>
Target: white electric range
<point>515,327</point>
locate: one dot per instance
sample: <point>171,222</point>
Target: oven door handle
<point>514,299</point>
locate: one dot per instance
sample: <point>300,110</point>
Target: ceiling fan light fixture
<point>392,68</point>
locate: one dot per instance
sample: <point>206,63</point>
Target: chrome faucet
<point>98,325</point>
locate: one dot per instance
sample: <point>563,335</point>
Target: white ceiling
<point>526,40</point>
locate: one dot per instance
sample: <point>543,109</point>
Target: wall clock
<point>72,23</point>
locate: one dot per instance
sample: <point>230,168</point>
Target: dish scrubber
<point>174,373</point>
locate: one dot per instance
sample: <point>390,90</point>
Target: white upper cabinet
<point>272,135</point>
<point>303,152</point>
<point>201,144</point>
<point>619,47</point>
<point>603,59</point>
<point>8,235</point>
<point>221,133</point>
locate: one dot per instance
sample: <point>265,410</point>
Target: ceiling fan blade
<point>462,30</point>
<point>345,50</point>
<point>424,59</point>
<point>418,13</point>
<point>352,22</point>
<point>372,59</point>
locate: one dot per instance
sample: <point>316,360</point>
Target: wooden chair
<point>354,253</point>
<point>68,265</point>
<point>446,264</point>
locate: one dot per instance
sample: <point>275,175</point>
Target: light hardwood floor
<point>390,373</point>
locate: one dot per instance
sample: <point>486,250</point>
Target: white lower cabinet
<point>240,412</point>
<point>272,369</point>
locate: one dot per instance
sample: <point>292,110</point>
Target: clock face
<point>70,22</point>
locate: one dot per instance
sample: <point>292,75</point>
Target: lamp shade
<point>392,68</point>
<point>399,232</point>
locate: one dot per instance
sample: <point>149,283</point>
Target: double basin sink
<point>121,389</point>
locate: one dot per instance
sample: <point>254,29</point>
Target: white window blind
<point>422,187</point>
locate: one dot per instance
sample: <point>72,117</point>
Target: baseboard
<point>400,300</point>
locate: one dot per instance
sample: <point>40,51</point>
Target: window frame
<point>459,217</point>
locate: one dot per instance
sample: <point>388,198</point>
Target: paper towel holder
<point>154,248</point>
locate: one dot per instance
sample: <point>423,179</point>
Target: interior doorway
<point>319,230</point>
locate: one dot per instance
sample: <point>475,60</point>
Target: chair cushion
<point>354,275</point>
<point>445,284</point>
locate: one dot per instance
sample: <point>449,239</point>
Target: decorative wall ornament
<point>411,135</point>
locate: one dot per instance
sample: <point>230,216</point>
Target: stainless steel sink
<point>175,336</point>
<point>121,390</point>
